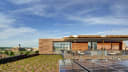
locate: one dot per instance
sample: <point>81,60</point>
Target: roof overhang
<point>98,38</point>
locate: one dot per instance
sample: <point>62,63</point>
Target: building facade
<point>82,43</point>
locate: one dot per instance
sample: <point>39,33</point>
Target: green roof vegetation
<point>41,63</point>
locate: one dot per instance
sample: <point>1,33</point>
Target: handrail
<point>84,68</point>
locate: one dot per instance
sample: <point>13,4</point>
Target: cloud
<point>10,33</point>
<point>23,1</point>
<point>28,37</point>
<point>121,31</point>
<point>66,12</point>
<point>84,12</point>
<point>52,34</point>
<point>116,13</point>
<point>66,4</point>
<point>6,21</point>
<point>13,32</point>
<point>38,10</point>
<point>15,43</point>
<point>106,20</point>
<point>101,20</point>
<point>120,8</point>
<point>56,8</point>
<point>63,7</point>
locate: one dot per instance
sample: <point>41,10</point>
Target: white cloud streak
<point>38,10</point>
<point>106,20</point>
<point>122,31</point>
<point>15,43</point>
<point>109,20</point>
<point>12,32</point>
<point>23,1</point>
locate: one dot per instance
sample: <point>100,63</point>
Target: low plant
<point>41,63</point>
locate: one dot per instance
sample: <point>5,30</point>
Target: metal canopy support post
<point>103,44</point>
<point>111,45</point>
<point>91,46</point>
<point>120,47</point>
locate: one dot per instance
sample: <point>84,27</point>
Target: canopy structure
<point>98,38</point>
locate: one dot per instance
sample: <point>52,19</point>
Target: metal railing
<point>15,58</point>
<point>82,68</point>
<point>71,65</point>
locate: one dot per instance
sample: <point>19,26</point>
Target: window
<point>61,46</point>
<point>92,45</point>
<point>89,46</point>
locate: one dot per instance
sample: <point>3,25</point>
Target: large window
<point>92,45</point>
<point>89,45</point>
<point>62,46</point>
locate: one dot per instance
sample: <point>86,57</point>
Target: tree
<point>11,53</point>
<point>6,52</point>
<point>21,53</point>
<point>36,52</point>
<point>27,53</point>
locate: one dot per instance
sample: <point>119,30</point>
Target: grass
<point>41,63</point>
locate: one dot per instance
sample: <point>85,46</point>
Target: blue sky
<point>25,21</point>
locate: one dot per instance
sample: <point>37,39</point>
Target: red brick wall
<point>84,46</point>
<point>79,46</point>
<point>107,46</point>
<point>46,45</point>
<point>115,46</point>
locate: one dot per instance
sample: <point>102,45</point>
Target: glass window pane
<point>62,45</point>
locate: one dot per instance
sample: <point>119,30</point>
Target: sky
<point>25,21</point>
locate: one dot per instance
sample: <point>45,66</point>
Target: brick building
<point>82,43</point>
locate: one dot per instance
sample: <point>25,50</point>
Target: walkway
<point>94,66</point>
